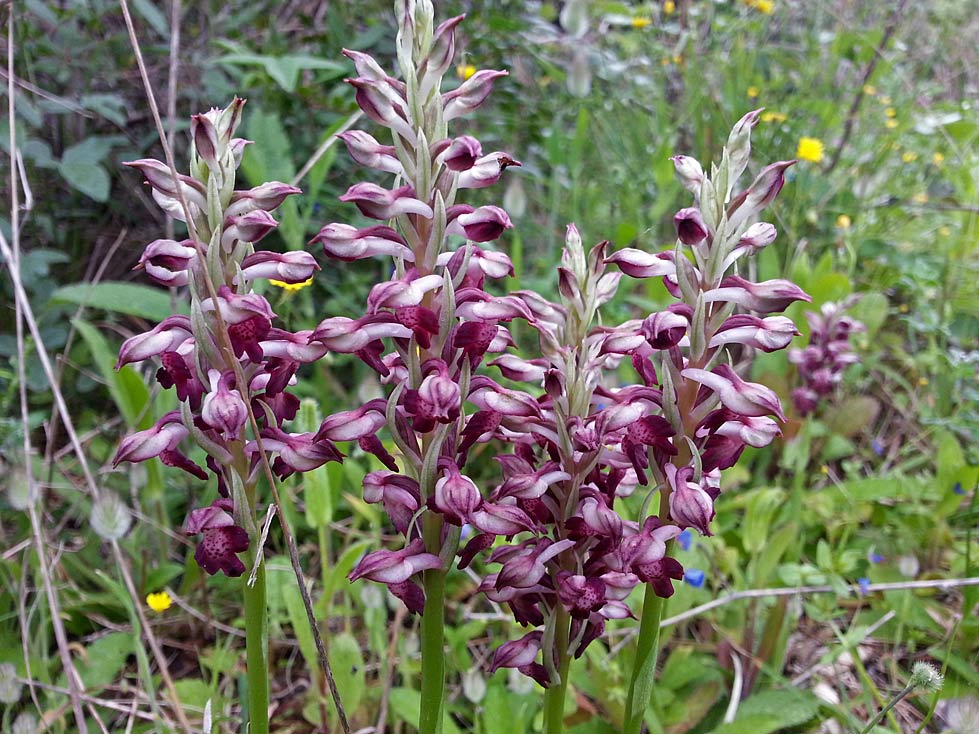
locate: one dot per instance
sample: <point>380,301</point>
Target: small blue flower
<point>877,446</point>
<point>958,489</point>
<point>864,583</point>
<point>875,557</point>
<point>694,577</point>
<point>685,539</point>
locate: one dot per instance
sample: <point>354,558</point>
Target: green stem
<point>894,701</point>
<point>644,669</point>
<point>555,695</point>
<point>433,636</point>
<point>256,638</point>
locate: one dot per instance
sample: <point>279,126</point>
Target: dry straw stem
<point>241,383</point>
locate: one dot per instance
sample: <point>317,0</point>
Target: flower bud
<point>470,94</point>
<point>380,203</point>
<point>368,152</point>
<point>690,226</point>
<point>690,505</point>
<point>205,137</point>
<point>349,243</point>
<point>456,497</point>
<point>462,153</point>
<point>223,409</point>
<point>478,225</point>
<point>689,172</point>
<point>250,227</point>
<point>166,261</point>
<point>290,267</point>
<point>267,197</point>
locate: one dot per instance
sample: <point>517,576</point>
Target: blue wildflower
<point>875,557</point>
<point>685,539</point>
<point>864,583</point>
<point>694,577</point>
<point>958,489</point>
<point>877,446</point>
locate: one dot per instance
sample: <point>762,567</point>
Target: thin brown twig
<point>868,72</point>
<point>241,383</point>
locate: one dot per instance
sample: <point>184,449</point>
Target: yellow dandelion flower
<point>922,381</point>
<point>765,7</point>
<point>291,287</point>
<point>890,112</point>
<point>903,308</point>
<point>159,601</point>
<point>909,156</point>
<point>870,90</point>
<point>464,71</point>
<point>824,469</point>
<point>890,123</point>
<point>641,22</point>
<point>920,198</point>
<point>810,149</point>
<point>884,100</point>
<point>677,59</point>
<point>944,231</point>
<point>753,92</point>
<point>768,116</point>
<point>843,221</point>
<point>938,159</point>
<point>669,7</point>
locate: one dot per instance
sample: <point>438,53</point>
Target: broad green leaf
<point>154,16</point>
<point>406,702</point>
<point>771,711</point>
<point>89,178</point>
<point>101,661</point>
<point>127,298</point>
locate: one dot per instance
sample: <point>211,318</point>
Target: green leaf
<point>348,670</point>
<point>101,662</point>
<point>153,15</point>
<point>284,70</point>
<point>89,178</point>
<point>406,702</point>
<point>772,710</point>
<point>126,298</point>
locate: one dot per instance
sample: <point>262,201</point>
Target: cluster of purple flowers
<point>821,364</point>
<point>214,376</point>
<point>568,446</point>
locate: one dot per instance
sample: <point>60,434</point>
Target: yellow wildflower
<point>944,231</point>
<point>753,92</point>
<point>870,90</point>
<point>843,221</point>
<point>890,123</point>
<point>810,149</point>
<point>768,116</point>
<point>291,287</point>
<point>677,59</point>
<point>938,159</point>
<point>464,71</point>
<point>884,99</point>
<point>669,7</point>
<point>903,308</point>
<point>922,381</point>
<point>159,601</point>
<point>909,156</point>
<point>890,112</point>
<point>920,198</point>
<point>664,61</point>
<point>824,469</point>
<point>641,22</point>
